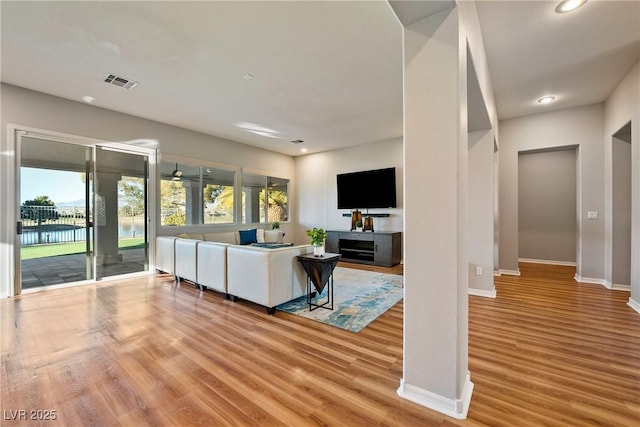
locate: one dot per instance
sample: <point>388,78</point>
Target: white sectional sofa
<point>211,268</point>
<point>165,254</point>
<point>265,276</point>
<point>268,277</point>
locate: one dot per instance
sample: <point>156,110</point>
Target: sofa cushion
<point>260,235</point>
<point>222,237</point>
<point>248,236</point>
<point>273,236</point>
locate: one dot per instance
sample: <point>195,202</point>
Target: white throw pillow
<point>271,236</point>
<point>260,235</point>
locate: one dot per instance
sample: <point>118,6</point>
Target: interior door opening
<point>621,208</point>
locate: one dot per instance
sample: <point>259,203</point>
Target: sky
<point>60,186</point>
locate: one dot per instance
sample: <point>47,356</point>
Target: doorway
<point>621,208</point>
<point>547,206</point>
<point>82,212</point>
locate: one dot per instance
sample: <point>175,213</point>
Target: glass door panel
<point>121,217</point>
<point>55,213</point>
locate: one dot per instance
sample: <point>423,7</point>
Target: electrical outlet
<point>478,270</point>
<point>592,215</point>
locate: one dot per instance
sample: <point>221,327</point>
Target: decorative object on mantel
<point>317,237</point>
<point>355,217</point>
<point>359,226</point>
<point>368,224</point>
<point>275,225</point>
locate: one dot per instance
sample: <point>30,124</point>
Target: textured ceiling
<point>329,73</point>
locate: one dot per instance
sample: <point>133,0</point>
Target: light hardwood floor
<point>546,351</point>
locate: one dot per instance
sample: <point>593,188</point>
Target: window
<point>218,200</point>
<point>195,195</point>
<point>265,199</point>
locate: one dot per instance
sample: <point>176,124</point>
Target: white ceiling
<point>329,73</point>
<point>579,57</point>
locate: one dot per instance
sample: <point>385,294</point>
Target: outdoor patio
<point>55,270</point>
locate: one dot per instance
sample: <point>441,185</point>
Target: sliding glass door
<point>83,212</point>
<point>121,220</point>
<point>55,213</point>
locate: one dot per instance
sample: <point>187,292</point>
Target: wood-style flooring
<point>546,352</point>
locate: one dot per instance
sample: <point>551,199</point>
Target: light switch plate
<point>592,215</point>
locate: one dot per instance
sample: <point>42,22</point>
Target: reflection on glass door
<point>55,213</point>
<point>121,233</point>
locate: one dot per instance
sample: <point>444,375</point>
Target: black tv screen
<point>367,189</point>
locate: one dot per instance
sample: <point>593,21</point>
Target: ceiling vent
<point>297,141</point>
<point>112,79</point>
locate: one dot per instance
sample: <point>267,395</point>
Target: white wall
<point>481,213</point>
<point>576,126</point>
<point>622,106</point>
<point>316,195</point>
<point>37,110</point>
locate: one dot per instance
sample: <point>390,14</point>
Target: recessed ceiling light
<point>88,99</point>
<point>248,76</point>
<point>546,99</point>
<point>303,150</point>
<point>569,5</point>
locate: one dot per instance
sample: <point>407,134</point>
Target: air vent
<point>297,141</point>
<point>120,81</point>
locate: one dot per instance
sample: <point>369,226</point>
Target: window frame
<point>265,209</point>
<point>200,203</point>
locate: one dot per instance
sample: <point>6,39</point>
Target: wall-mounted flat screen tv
<point>367,189</point>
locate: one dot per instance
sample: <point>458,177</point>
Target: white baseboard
<point>497,273</point>
<point>456,408</point>
<point>482,293</point>
<point>547,261</point>
<point>592,281</point>
<point>509,272</point>
<point>634,304</point>
<point>618,287</point>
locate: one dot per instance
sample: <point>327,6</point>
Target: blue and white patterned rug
<point>359,298</point>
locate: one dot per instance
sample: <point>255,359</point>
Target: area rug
<point>359,298</point>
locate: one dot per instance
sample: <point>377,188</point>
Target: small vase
<point>318,250</point>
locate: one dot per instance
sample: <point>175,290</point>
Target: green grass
<point>57,249</point>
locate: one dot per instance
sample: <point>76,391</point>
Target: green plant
<point>317,236</point>
<point>275,225</point>
<point>359,224</point>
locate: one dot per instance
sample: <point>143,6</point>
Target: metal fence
<point>64,224</point>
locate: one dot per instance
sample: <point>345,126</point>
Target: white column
<point>106,218</point>
<point>436,265</point>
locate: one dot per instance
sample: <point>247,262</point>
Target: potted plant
<point>275,225</point>
<point>317,237</point>
<point>359,226</point>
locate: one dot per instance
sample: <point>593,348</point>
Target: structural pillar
<point>435,370</point>
<point>106,218</point>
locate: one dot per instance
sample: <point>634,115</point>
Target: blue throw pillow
<point>248,237</point>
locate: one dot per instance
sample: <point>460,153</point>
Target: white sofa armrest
<point>187,259</point>
<point>165,254</point>
<point>268,277</point>
<point>212,265</point>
